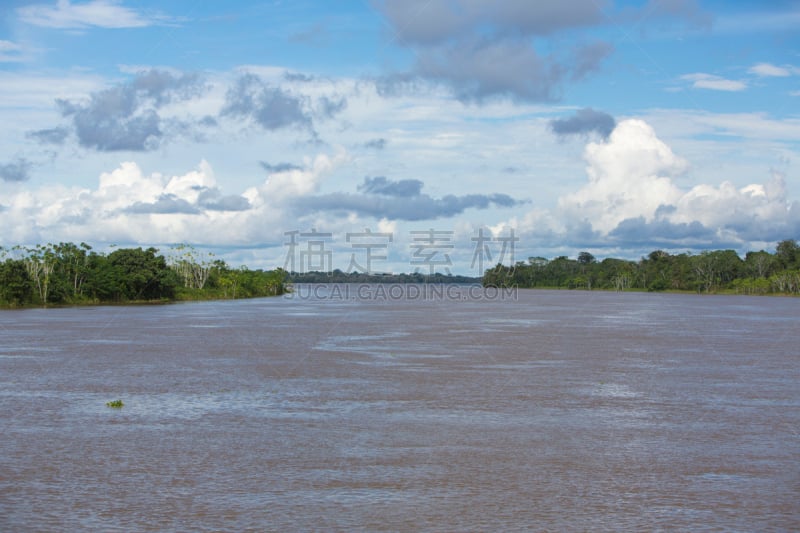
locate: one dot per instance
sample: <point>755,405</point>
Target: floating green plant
<point>116,404</point>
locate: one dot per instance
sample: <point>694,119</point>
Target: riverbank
<point>183,296</point>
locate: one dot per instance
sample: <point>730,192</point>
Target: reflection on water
<point>557,411</point>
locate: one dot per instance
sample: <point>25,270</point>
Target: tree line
<point>68,273</point>
<point>708,272</point>
<point>338,276</point>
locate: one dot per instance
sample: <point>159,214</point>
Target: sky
<point>400,135</point>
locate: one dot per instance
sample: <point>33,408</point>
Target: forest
<point>715,271</point>
<point>338,276</point>
<point>70,274</point>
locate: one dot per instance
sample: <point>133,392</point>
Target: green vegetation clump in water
<point>70,274</point>
<point>718,271</point>
<point>115,404</point>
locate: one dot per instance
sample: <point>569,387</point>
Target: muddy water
<point>338,410</point>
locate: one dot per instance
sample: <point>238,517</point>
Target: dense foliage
<point>711,271</point>
<point>67,273</point>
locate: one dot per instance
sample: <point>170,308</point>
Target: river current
<point>343,408</point>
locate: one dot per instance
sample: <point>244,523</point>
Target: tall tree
<point>788,253</point>
<point>15,284</point>
<point>143,275</point>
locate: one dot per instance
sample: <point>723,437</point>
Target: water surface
<point>554,410</point>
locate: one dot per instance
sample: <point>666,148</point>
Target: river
<point>343,408</point>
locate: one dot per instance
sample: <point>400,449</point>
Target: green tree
<point>71,266</point>
<point>193,267</point>
<point>15,284</point>
<point>40,263</point>
<point>717,269</point>
<point>759,264</point>
<point>103,280</point>
<point>143,275</point>
<point>788,254</point>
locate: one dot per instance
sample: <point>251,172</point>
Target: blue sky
<point>612,127</point>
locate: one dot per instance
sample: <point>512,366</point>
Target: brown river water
<point>355,408</point>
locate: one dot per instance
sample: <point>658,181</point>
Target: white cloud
<point>751,127</point>
<point>769,70</point>
<point>298,181</point>
<point>452,147</point>
<point>743,209</point>
<point>129,206</point>
<point>629,176</point>
<point>98,13</point>
<point>23,90</point>
<point>10,52</point>
<point>631,199</point>
<point>702,80</point>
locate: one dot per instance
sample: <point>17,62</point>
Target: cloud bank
<point>631,199</point>
<point>131,206</point>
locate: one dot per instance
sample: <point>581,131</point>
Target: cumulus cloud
<point>629,176</point>
<point>77,16</point>
<point>270,107</point>
<point>631,199</point>
<point>477,68</point>
<point>126,116</point>
<point>436,21</point>
<point>294,181</point>
<point>420,207</point>
<point>17,170</point>
<point>758,211</point>
<point>701,80</point>
<point>399,200</point>
<point>768,70</point>
<point>386,187</point>
<point>584,122</point>
<point>482,49</point>
<point>130,206</point>
<point>480,69</point>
